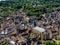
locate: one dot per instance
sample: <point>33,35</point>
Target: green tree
<point>50,43</point>
<point>59,43</point>
<point>4,43</point>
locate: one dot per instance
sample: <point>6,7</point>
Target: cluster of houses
<point>24,30</point>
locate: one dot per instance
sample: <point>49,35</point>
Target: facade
<point>41,31</point>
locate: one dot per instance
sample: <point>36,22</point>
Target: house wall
<point>48,35</point>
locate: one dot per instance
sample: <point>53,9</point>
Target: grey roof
<point>39,29</point>
<point>1,28</point>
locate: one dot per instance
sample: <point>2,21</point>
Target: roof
<point>1,28</point>
<point>57,41</point>
<point>4,32</point>
<point>39,29</point>
<point>12,42</point>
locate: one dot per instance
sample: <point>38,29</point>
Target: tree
<point>59,43</point>
<point>4,43</point>
<point>50,43</point>
<point>1,19</point>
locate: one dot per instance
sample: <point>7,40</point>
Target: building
<point>41,33</point>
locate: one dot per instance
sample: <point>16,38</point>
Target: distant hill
<point>32,0</point>
<point>31,7</point>
<point>20,0</point>
<point>13,0</point>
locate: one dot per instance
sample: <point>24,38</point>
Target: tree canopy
<point>31,7</point>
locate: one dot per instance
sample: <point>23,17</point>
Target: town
<point>24,30</point>
<point>29,22</point>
